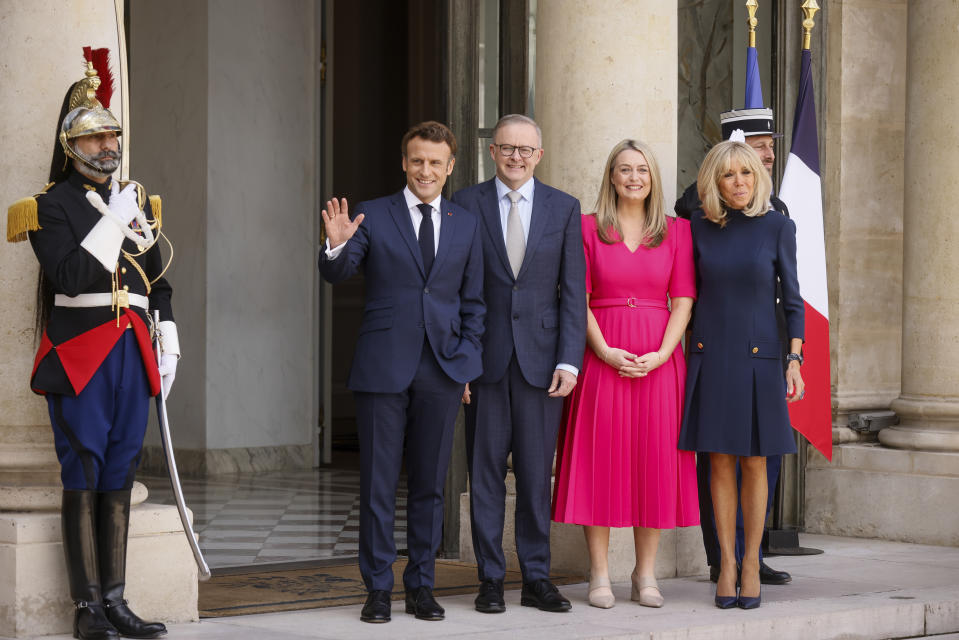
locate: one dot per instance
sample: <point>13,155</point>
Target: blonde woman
<point>618,463</point>
<point>736,392</point>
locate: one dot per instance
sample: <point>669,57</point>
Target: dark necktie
<point>426,236</point>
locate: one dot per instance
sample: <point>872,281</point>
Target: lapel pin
<point>449,213</point>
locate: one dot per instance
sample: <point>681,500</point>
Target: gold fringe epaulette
<point>22,217</point>
<point>156,207</point>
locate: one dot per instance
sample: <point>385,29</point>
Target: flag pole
<point>751,7</point>
<point>809,9</point>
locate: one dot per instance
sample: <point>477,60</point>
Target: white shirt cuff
<point>169,339</point>
<point>568,367</point>
<point>331,254</point>
<point>103,242</point>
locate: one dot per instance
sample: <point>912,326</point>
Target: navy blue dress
<point>735,387</point>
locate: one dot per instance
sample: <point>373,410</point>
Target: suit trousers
<point>508,416</point>
<point>707,519</point>
<point>99,432</point>
<point>423,415</point>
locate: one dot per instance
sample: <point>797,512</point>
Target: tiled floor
<point>279,516</point>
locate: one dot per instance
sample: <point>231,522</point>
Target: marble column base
<point>926,424</point>
<point>680,550</point>
<point>872,491</point>
<point>35,600</point>
<point>211,462</point>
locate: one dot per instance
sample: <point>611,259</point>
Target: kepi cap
<point>753,122</point>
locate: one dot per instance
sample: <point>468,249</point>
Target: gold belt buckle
<point>631,302</point>
<point>123,299</point>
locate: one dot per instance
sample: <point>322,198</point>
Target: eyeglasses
<point>506,150</point>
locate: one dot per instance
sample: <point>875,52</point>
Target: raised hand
<point>336,221</point>
<point>122,210</point>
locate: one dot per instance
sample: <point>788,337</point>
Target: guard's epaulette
<point>22,217</point>
<point>156,206</point>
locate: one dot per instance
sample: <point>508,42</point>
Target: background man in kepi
<point>419,344</point>
<point>757,127</point>
<point>535,291</point>
<point>100,270</point>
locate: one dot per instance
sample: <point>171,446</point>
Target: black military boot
<point>113,524</point>
<point>77,518</point>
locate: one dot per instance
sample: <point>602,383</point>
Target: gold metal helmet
<point>86,116</point>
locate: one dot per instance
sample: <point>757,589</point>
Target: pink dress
<point>617,461</point>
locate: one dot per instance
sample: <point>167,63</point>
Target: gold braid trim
<point>22,217</point>
<point>156,206</point>
<point>169,260</point>
<point>139,269</point>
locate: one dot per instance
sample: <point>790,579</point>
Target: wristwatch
<point>794,356</point>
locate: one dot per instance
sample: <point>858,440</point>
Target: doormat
<point>291,589</point>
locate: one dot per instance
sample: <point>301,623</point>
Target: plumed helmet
<point>86,116</point>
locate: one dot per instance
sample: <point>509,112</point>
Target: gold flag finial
<point>751,6</point>
<point>809,9</point>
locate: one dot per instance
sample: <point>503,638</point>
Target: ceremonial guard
<point>101,270</point>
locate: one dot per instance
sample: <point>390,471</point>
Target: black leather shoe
<point>490,598</point>
<point>90,623</point>
<point>113,525</point>
<point>544,595</point>
<point>421,603</point>
<point>78,522</point>
<point>129,624</point>
<point>768,575</point>
<point>377,607</point>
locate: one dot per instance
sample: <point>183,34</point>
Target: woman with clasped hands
<point>736,393</point>
<point>617,462</point>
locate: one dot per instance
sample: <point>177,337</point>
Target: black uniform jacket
<point>76,340</point>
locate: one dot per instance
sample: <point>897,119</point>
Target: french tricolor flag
<point>802,193</point>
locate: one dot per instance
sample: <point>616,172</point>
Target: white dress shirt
<point>416,217</point>
<point>525,206</point>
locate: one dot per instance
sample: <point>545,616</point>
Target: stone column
<point>929,403</point>
<point>863,134</point>
<point>605,70</point>
<point>44,41</point>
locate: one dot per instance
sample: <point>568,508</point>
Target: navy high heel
<point>745,602</point>
<point>726,602</point>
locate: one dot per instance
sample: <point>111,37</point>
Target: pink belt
<point>645,303</point>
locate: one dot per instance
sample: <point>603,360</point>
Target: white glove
<point>122,210</point>
<point>738,135</point>
<point>123,207</point>
<point>167,370</point>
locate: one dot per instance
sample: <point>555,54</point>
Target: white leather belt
<point>98,300</point>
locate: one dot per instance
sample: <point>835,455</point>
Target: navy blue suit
<point>534,321</point>
<point>735,389</point>
<point>419,343</point>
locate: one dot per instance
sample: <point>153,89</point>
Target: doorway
<point>382,76</point>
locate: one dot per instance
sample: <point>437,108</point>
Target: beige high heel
<point>646,599</point>
<point>601,593</point>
